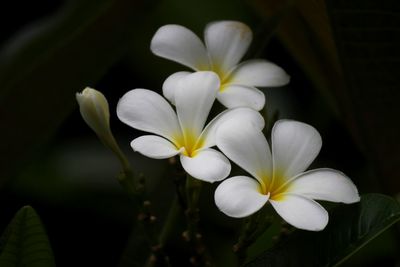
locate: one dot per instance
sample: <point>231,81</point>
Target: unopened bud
<point>94,110</point>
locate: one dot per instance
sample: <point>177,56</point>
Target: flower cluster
<point>277,174</point>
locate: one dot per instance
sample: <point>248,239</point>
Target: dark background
<point>343,58</point>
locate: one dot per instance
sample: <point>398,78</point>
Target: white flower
<point>279,176</point>
<point>94,110</point>
<point>225,44</point>
<point>183,132</point>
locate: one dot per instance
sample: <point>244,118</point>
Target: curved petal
<point>239,196</point>
<point>233,96</point>
<point>181,45</point>
<point>147,111</point>
<point>207,165</point>
<point>194,97</point>
<point>325,184</point>
<point>155,147</point>
<point>301,212</point>
<point>294,146</point>
<point>171,83</point>
<point>258,73</point>
<point>246,145</point>
<point>227,42</point>
<point>246,115</point>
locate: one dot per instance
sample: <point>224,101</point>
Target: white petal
<point>170,85</point>
<point>207,165</point>
<point>155,147</point>
<point>227,42</point>
<point>239,196</point>
<point>246,115</point>
<point>301,212</point>
<point>294,146</point>
<point>325,184</point>
<point>194,98</point>
<point>148,111</point>
<point>181,45</point>
<point>259,73</point>
<point>233,96</point>
<point>246,145</point>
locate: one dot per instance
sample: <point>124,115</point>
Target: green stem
<point>200,255</point>
<point>253,227</point>
<point>193,189</point>
<point>126,178</point>
<point>170,222</point>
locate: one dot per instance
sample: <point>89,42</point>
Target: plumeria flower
<point>183,132</point>
<point>279,176</point>
<point>225,44</point>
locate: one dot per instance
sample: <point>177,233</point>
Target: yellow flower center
<point>189,141</point>
<point>224,77</point>
<point>276,187</point>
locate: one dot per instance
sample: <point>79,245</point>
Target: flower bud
<point>94,110</point>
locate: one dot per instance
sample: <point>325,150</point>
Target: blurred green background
<point>343,58</point>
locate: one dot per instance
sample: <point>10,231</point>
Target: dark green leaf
<point>25,243</point>
<point>350,228</point>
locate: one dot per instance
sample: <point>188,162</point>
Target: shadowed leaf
<point>350,228</point>
<point>24,242</point>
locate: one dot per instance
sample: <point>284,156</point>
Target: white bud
<point>94,109</point>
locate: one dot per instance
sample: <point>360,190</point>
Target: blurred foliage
<point>25,243</point>
<point>342,57</point>
<point>43,67</point>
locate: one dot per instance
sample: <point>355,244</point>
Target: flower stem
<point>252,228</point>
<point>192,235</point>
<point>126,178</point>
<point>193,189</point>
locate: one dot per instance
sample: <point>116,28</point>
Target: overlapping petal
<point>207,165</point>
<point>239,196</point>
<point>246,115</point>
<point>233,96</point>
<point>325,184</point>
<point>194,98</point>
<point>227,42</point>
<point>245,145</point>
<point>181,45</point>
<point>294,146</point>
<point>148,111</point>
<point>155,147</point>
<point>301,212</point>
<point>259,72</point>
<point>171,83</point>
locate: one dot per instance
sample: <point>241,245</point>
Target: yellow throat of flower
<point>189,141</point>
<point>276,187</point>
<point>222,74</point>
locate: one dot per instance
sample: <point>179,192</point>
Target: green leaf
<point>43,67</point>
<point>350,228</point>
<point>25,243</point>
